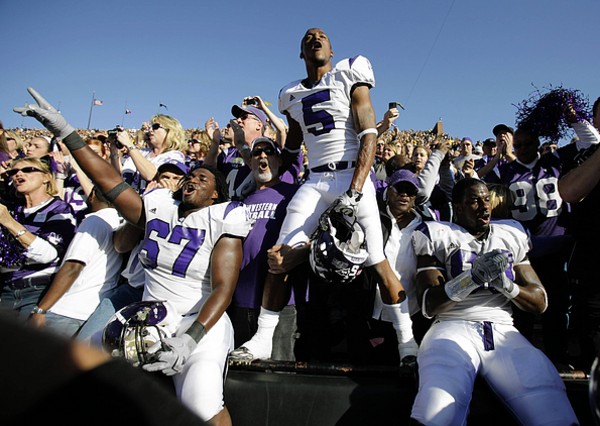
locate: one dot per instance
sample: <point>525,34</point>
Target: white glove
<point>171,354</point>
<point>489,266</point>
<point>347,203</point>
<point>47,115</point>
<point>505,286</point>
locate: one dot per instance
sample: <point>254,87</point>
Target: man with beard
<point>266,208</point>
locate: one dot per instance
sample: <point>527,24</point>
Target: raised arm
<point>364,121</point>
<point>293,144</point>
<point>579,182</point>
<point>125,199</point>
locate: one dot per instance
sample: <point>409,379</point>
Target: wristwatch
<point>37,310</point>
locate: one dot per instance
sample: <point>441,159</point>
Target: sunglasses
<point>247,116</point>
<point>30,169</point>
<point>405,188</point>
<point>156,126</point>
<point>193,141</point>
<point>269,150</point>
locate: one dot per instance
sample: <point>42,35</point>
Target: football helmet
<point>135,328</point>
<point>339,250</point>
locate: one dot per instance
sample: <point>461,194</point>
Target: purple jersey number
<point>158,229</point>
<point>322,117</point>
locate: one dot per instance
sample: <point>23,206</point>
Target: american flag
<point>97,102</point>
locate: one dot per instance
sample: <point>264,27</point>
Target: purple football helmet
<point>339,250</point>
<point>135,328</point>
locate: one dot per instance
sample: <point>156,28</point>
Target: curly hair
<point>175,139</point>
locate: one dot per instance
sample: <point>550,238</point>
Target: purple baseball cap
<point>238,111</point>
<point>174,164</point>
<point>403,175</point>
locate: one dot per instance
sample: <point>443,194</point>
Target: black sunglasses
<point>156,126</point>
<point>29,169</point>
<point>405,188</point>
<point>193,141</point>
<point>269,150</point>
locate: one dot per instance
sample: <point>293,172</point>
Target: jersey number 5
<point>317,122</point>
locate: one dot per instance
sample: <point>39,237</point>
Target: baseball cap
<point>489,141</point>
<point>403,175</point>
<point>502,128</point>
<point>173,164</point>
<point>238,111</point>
<point>264,139</point>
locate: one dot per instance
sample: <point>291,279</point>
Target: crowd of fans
<point>48,259</point>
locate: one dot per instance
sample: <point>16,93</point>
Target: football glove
<point>46,114</point>
<point>171,354</point>
<point>489,266</point>
<point>347,203</point>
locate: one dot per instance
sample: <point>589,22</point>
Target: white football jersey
<point>176,253</point>
<point>456,248</point>
<point>324,112</point>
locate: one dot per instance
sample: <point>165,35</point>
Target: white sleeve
<point>588,135</point>
<point>93,235</point>
<point>429,176</point>
<point>41,251</point>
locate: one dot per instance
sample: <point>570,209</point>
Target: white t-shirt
<point>93,246</point>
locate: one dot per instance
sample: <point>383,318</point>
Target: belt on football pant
<point>333,166</point>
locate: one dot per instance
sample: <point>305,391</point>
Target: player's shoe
<point>241,354</point>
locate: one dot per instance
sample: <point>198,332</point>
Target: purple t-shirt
<point>267,208</point>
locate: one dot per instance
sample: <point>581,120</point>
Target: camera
<point>251,101</point>
<point>112,134</point>
<point>395,105</point>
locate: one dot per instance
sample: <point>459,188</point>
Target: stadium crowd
<point>84,213</point>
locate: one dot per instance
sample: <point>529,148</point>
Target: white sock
<point>261,344</point>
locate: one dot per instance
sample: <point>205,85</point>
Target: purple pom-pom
<point>547,114</point>
<point>11,251</point>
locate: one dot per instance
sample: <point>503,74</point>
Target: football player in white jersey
<point>192,252</point>
<point>331,112</point>
<point>469,276</point>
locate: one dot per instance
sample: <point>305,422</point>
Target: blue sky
<point>466,61</point>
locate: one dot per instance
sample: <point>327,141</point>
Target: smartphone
<point>395,105</point>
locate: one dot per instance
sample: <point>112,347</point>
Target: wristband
<point>196,331</point>
<point>371,130</point>
<point>513,293</point>
<point>74,142</point>
<point>20,233</point>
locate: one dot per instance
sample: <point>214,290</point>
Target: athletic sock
<point>261,344</point>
